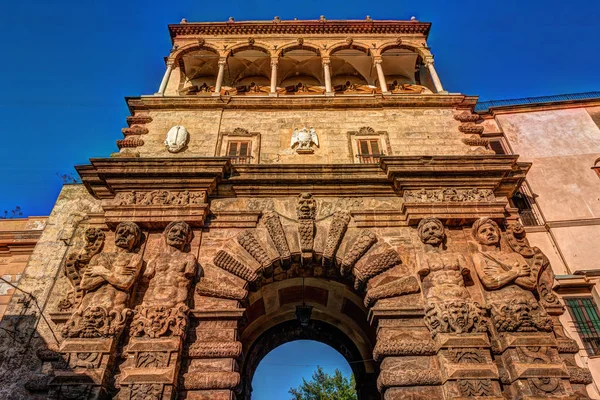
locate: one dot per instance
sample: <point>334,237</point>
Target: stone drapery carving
<point>164,307</point>
<point>306,209</point>
<point>449,194</point>
<point>336,233</point>
<point>75,266</point>
<point>448,307</point>
<point>160,198</point>
<point>106,285</point>
<point>508,280</point>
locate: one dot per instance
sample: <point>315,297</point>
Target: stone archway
<point>319,331</point>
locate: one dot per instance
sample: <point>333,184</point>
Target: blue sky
<point>67,65</point>
<point>285,366</point>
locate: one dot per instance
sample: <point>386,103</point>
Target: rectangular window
<point>497,147</point>
<point>524,203</point>
<point>368,151</point>
<point>239,152</point>
<point>585,314</point>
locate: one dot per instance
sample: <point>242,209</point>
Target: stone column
<point>434,76</point>
<point>165,79</point>
<point>377,62</point>
<point>274,63</point>
<point>327,73</point>
<point>220,76</point>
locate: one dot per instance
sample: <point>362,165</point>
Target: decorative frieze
<point>449,194</point>
<point>160,198</point>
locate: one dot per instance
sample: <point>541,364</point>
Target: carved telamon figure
<point>165,303</point>
<point>508,281</point>
<point>448,306</point>
<point>442,271</point>
<point>106,285</point>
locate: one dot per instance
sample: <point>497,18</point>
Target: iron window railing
<point>584,312</point>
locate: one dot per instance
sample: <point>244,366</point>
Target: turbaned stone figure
<point>509,282</point>
<point>165,303</point>
<point>106,285</point>
<point>448,306</point>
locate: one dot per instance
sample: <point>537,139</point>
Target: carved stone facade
<point>182,271</point>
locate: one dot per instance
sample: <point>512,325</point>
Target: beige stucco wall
<point>411,131</point>
<point>563,145</point>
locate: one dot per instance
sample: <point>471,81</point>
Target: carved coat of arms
<point>304,138</point>
<point>177,138</point>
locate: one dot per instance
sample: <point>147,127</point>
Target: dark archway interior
<point>318,331</point>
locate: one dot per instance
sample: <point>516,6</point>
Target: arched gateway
<point>371,218</point>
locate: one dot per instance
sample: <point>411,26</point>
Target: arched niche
<point>300,65</point>
<point>351,64</point>
<point>198,68</point>
<point>247,67</point>
<point>404,71</point>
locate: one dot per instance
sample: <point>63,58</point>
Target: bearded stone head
<point>306,207</point>
<point>458,316</point>
<point>178,234</point>
<point>128,235</point>
<point>486,232</point>
<point>431,231</point>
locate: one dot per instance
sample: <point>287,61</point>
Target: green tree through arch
<point>323,386</point>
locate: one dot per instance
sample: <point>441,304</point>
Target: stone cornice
<point>137,104</point>
<point>105,177</point>
<point>314,27</point>
<point>501,173</point>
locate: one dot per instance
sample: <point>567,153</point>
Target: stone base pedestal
<point>151,369</point>
<point>86,369</point>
